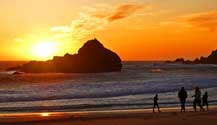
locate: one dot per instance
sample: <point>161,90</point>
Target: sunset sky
<point>135,29</point>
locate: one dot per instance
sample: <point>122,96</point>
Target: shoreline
<point>128,116</point>
<point>90,108</point>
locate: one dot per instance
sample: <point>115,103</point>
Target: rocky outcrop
<point>211,59</point>
<point>92,57</point>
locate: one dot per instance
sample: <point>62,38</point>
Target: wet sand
<point>168,116</point>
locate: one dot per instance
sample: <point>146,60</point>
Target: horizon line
<point>122,60</point>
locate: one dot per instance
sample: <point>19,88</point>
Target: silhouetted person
<point>197,99</point>
<point>205,100</point>
<point>182,97</point>
<point>156,103</point>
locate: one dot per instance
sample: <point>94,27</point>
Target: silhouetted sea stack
<point>211,59</point>
<point>92,57</point>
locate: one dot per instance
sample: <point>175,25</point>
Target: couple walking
<point>197,99</point>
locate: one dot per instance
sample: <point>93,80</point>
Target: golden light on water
<point>45,114</point>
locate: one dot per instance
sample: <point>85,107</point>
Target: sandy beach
<point>117,117</point>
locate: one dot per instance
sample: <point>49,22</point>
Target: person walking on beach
<point>197,99</point>
<point>156,103</point>
<point>205,100</point>
<point>182,97</point>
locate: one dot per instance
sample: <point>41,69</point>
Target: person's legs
<point>154,107</point>
<point>183,105</point>
<point>207,106</point>
<point>158,107</point>
<point>201,107</point>
<point>194,105</point>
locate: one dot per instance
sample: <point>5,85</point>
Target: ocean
<point>132,88</point>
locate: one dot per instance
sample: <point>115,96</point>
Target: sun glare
<point>45,49</point>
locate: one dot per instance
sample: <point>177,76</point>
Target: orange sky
<point>135,29</point>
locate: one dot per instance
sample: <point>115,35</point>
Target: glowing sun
<point>45,49</point>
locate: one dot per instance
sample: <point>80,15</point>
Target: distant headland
<point>92,57</point>
<point>211,59</point>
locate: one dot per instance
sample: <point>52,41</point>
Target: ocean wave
<point>136,83</point>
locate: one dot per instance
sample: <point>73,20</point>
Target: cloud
<point>95,18</point>
<point>87,24</point>
<point>64,29</point>
<point>123,11</point>
<point>207,20</point>
<point>201,21</point>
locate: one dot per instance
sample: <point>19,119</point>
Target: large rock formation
<point>211,59</point>
<point>92,57</point>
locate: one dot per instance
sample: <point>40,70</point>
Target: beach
<point>167,116</point>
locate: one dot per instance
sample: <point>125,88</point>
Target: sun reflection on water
<point>45,114</point>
